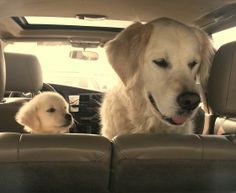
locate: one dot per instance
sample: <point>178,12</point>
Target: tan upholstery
<point>74,163</point>
<point>23,73</point>
<point>222,82</point>
<point>173,163</point>
<point>9,147</point>
<point>8,111</point>
<point>2,72</point>
<point>54,163</point>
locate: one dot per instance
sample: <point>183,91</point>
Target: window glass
<point>224,37</point>
<point>33,20</point>
<point>59,68</point>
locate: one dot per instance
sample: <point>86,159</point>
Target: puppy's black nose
<point>188,100</point>
<point>68,117</point>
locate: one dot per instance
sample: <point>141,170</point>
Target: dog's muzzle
<point>68,120</point>
<point>175,120</point>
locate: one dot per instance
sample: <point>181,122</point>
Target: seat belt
<point>209,121</point>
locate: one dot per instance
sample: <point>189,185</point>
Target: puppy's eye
<point>51,110</point>
<point>192,64</point>
<point>161,63</point>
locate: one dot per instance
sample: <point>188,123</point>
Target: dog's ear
<point>125,51</point>
<point>27,116</point>
<point>207,54</point>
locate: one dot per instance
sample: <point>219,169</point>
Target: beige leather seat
<point>54,163</point>
<point>222,88</point>
<point>2,73</point>
<point>173,163</point>
<point>68,163</point>
<point>23,75</point>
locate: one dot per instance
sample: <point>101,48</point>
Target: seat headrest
<point>222,81</point>
<point>2,72</point>
<point>23,73</point>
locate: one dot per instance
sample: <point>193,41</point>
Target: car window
<point>224,36</point>
<point>77,21</point>
<point>59,68</point>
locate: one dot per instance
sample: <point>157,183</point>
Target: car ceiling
<point>188,11</point>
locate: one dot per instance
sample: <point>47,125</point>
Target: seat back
<point>222,89</point>
<point>173,163</point>
<point>221,85</point>
<point>23,74</point>
<point>75,163</point>
<point>2,72</point>
<point>54,163</point>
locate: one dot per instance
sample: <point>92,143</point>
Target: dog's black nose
<point>188,100</point>
<point>68,117</point>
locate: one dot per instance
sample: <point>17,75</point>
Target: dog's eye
<point>192,64</point>
<point>51,110</point>
<point>161,62</point>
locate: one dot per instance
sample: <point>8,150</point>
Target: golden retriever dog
<point>158,64</point>
<point>47,112</point>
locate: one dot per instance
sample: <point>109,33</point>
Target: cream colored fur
<point>126,108</point>
<point>45,113</point>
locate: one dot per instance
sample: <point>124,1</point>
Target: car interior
<point>82,160</point>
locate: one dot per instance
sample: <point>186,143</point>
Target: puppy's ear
<point>207,54</point>
<point>27,116</point>
<point>125,51</point>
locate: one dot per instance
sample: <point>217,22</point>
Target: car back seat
<point>222,85</point>
<point>23,75</point>
<point>2,72</point>
<point>54,163</point>
<point>173,163</point>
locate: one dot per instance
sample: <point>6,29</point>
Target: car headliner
<point>188,11</point>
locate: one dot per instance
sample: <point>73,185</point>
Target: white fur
<point>36,117</point>
<point>126,109</point>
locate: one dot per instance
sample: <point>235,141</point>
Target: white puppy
<point>158,64</point>
<point>47,112</point>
